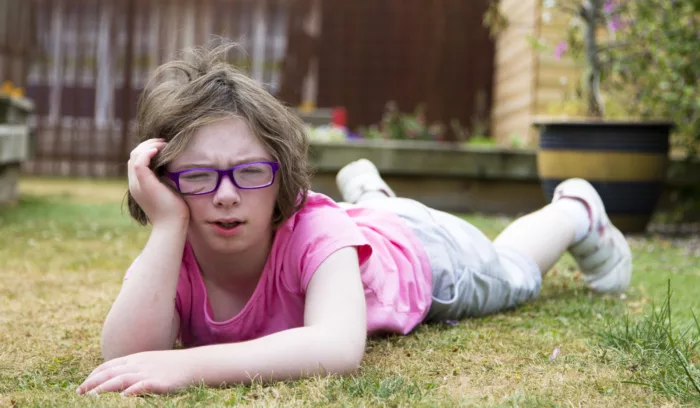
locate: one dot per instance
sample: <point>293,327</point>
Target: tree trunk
<point>591,15</point>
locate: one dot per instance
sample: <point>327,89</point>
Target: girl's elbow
<point>110,351</point>
<point>112,348</point>
<point>352,367</point>
<point>346,365</point>
<point>108,355</point>
<point>352,356</point>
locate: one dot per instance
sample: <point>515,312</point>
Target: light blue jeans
<point>471,275</point>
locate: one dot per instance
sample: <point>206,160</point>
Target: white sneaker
<point>603,255</point>
<point>358,178</point>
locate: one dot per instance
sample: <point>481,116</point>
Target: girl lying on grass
<point>262,279</point>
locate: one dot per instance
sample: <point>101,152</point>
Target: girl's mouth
<point>228,225</point>
<point>227,228</point>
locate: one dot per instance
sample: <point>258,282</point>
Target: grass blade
<point>685,368</point>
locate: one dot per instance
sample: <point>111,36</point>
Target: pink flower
<point>561,49</point>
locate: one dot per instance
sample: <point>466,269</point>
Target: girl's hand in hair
<point>161,203</point>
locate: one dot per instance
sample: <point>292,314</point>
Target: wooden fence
<point>85,62</point>
<point>436,53</point>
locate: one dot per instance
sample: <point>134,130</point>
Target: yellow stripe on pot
<point>602,165</point>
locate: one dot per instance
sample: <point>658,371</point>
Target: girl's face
<point>229,219</point>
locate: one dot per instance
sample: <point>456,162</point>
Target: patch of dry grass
<point>75,190</point>
<point>65,247</point>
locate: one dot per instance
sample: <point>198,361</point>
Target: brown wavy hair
<point>199,88</point>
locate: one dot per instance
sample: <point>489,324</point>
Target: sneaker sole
<point>359,177</point>
<point>617,279</point>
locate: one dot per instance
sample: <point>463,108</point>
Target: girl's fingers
<point>102,377</point>
<point>147,145</point>
<point>144,175</point>
<point>109,364</point>
<point>117,383</point>
<point>142,180</point>
<point>145,158</point>
<point>141,161</point>
<point>144,387</point>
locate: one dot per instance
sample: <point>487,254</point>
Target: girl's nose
<point>227,193</point>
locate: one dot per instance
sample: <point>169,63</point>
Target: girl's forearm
<point>142,317</point>
<point>291,354</point>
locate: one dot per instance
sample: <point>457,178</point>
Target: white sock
<point>579,214</point>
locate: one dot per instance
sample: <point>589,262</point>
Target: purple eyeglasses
<point>247,176</point>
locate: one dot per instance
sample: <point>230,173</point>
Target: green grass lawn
<point>64,249</point>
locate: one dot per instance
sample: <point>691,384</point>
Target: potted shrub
<point>626,160</point>
<point>662,68</point>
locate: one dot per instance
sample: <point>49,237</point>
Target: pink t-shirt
<point>394,268</point>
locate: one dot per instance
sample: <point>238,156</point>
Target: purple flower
<point>609,6</point>
<point>452,322</point>
<point>561,49</point>
<point>615,23</point>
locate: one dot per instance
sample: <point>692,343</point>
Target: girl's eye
<point>253,169</point>
<point>197,175</point>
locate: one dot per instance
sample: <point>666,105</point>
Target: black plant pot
<point>626,162</point>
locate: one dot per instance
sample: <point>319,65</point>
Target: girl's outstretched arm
<point>332,341</point>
